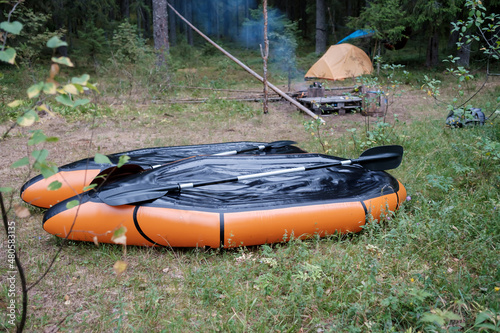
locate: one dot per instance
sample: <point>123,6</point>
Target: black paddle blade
<point>131,194</point>
<point>381,158</point>
<point>282,143</point>
<point>270,145</point>
<point>114,173</point>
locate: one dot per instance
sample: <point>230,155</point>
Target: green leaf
<point>82,80</point>
<point>27,119</point>
<point>12,27</point>
<point>91,86</point>
<point>35,90</point>
<point>101,159</point>
<point>433,318</point>
<point>56,42</point>
<point>72,203</point>
<point>89,187</point>
<point>47,170</point>
<point>70,89</point>
<point>491,327</point>
<point>483,316</point>
<point>80,102</point>
<point>15,104</point>
<point>40,155</point>
<point>21,162</point>
<point>55,185</point>
<point>49,88</point>
<point>63,61</point>
<point>123,159</point>
<point>5,189</point>
<point>65,100</point>
<point>52,139</point>
<point>79,87</point>
<point>9,55</point>
<point>119,236</point>
<point>37,137</point>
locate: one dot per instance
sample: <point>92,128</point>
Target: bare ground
<point>137,129</point>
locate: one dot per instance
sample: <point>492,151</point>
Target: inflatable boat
<point>76,176</point>
<point>230,201</point>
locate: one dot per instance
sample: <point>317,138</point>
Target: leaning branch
<point>248,69</point>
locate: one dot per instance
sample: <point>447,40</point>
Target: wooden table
<point>331,104</point>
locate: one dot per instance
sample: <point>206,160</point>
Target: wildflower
<point>412,280</point>
<point>497,288</point>
<point>408,198</point>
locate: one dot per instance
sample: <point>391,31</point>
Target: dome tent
<point>340,62</point>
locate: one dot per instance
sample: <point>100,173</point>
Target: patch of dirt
<point>81,139</point>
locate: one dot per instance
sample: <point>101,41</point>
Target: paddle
<point>114,173</point>
<point>377,158</point>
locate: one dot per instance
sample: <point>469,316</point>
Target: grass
<point>432,267</point>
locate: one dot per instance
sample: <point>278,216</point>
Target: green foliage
<point>93,41</point>
<point>12,27</point>
<point>126,44</point>
<point>315,128</point>
<point>386,18</point>
<point>101,159</point>
<point>433,15</point>
<point>379,133</point>
<point>30,42</point>
<point>480,26</point>
<point>488,320</point>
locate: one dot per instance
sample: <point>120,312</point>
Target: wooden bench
<point>331,104</point>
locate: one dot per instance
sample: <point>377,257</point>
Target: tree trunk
<point>139,21</point>
<point>320,27</point>
<point>147,21</point>
<point>463,53</point>
<point>125,9</point>
<point>331,12</point>
<point>265,54</point>
<point>432,59</point>
<point>160,30</point>
<point>59,22</point>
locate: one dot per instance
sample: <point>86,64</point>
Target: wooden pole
<point>248,69</point>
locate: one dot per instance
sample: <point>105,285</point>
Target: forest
<point>89,26</point>
<point>101,88</point>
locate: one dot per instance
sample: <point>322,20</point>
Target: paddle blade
<point>125,195</point>
<point>381,158</point>
<point>114,173</point>
<point>279,144</point>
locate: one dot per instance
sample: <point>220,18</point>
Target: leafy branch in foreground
<point>485,26</point>
<point>37,101</point>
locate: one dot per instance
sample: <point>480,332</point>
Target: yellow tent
<point>341,61</point>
